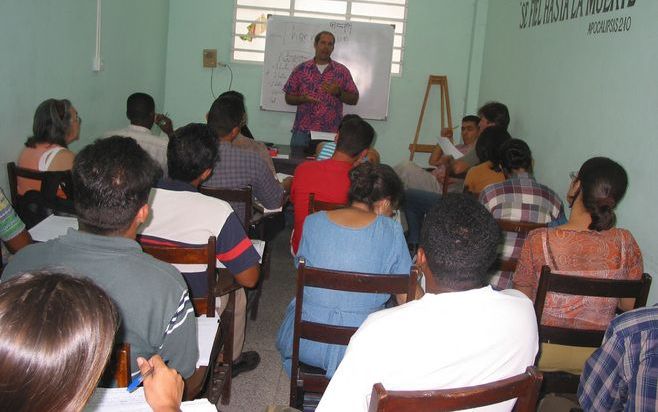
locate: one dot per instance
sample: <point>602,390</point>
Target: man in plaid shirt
<point>622,375</point>
<point>519,198</point>
<point>235,167</point>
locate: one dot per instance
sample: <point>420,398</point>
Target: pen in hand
<point>134,384</point>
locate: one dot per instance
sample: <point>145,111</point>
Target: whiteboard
<point>365,49</point>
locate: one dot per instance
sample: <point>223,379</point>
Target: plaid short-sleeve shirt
<point>306,79</point>
<point>622,375</point>
<point>519,198</point>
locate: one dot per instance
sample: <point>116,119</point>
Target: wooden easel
<point>442,82</point>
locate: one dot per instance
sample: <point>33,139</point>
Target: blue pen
<point>138,380</point>
<point>134,384</point>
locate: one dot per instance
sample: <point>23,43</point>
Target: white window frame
<point>347,16</point>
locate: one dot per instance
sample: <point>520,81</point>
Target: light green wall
<point>48,48</point>
<point>439,39</point>
<point>573,96</point>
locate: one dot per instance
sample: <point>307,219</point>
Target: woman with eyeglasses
<point>56,124</point>
<point>588,245</point>
<point>359,238</point>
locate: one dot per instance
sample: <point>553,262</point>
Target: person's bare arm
<point>19,241</point>
<point>62,161</point>
<point>348,98</point>
<point>248,277</point>
<point>435,157</point>
<point>295,100</point>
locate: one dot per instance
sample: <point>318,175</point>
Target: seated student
<point>112,179</point>
<point>181,214</point>
<point>56,124</point>
<point>325,150</point>
<point>329,179</point>
<point>519,198</point>
<point>359,238</point>
<point>140,110</point>
<point>12,229</point>
<point>235,167</point>
<point>418,202</point>
<point>623,373</point>
<point>588,245</point>
<point>415,177</point>
<point>57,336</point>
<point>461,333</point>
<point>245,140</point>
<point>491,114</point>
<point>488,150</point>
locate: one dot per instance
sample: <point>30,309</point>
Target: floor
<point>268,384</point>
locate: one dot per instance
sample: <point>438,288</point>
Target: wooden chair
<point>521,229</point>
<point>117,371</point>
<point>563,382</point>
<point>318,205</point>
<point>34,206</point>
<point>217,382</point>
<point>243,196</point>
<point>304,378</point>
<point>524,387</point>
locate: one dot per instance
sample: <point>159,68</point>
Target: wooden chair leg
<point>229,318</point>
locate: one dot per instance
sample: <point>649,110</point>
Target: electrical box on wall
<point>209,57</point>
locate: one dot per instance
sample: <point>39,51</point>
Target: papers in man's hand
<point>449,148</point>
<point>206,329</point>
<point>322,136</point>
<point>119,399</point>
<point>52,227</point>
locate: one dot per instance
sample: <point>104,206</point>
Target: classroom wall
<point>442,37</point>
<point>576,90</point>
<point>48,48</point>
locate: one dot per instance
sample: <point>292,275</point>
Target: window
<point>250,16</point>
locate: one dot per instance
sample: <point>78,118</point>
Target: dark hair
<point>56,337</point>
<point>370,183</point>
<point>226,113</point>
<point>495,112</point>
<point>460,239</point>
<point>52,122</point>
<point>317,36</point>
<point>244,130</point>
<point>354,136</point>
<point>603,183</point>
<point>515,154</point>
<point>140,108</point>
<point>111,182</point>
<point>487,147</point>
<point>471,118</point>
<point>191,151</point>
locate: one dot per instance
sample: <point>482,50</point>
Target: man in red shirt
<point>329,179</point>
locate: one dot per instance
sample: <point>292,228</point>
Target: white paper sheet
<point>323,135</point>
<point>206,329</point>
<point>52,227</point>
<point>119,399</point>
<point>449,148</point>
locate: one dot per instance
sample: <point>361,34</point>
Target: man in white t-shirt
<point>140,110</point>
<point>461,333</point>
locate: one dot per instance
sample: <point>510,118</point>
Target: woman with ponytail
<point>359,238</point>
<point>587,245</point>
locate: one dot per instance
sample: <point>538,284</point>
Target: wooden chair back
<point>318,205</point>
<point>563,382</point>
<point>34,206</point>
<point>241,196</point>
<point>520,228</point>
<point>302,381</point>
<point>203,254</point>
<point>117,371</point>
<point>523,387</point>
